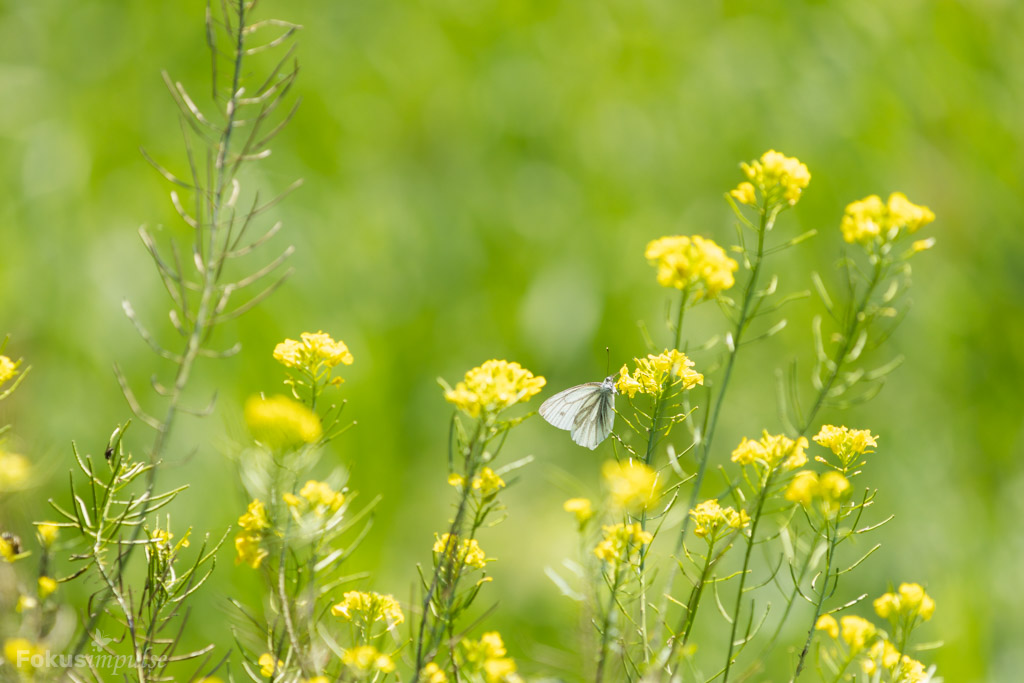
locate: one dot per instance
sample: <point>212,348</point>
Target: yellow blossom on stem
<point>856,632</point>
<point>14,470</point>
<point>780,179</point>
<point>281,423</point>
<point>493,387</point>
<point>828,624</point>
<point>488,483</point>
<point>745,193</point>
<point>367,659</point>
<point>633,485</point>
<point>620,540</point>
<point>870,220</point>
<point>467,551</point>
<point>847,444</point>
<point>692,263</point>
<point>269,664</point>
<point>8,369</point>
<point>711,518</point>
<point>830,490</point>
<point>652,373</point>
<point>581,507</point>
<point>248,549</point>
<point>48,532</point>
<point>255,517</point>
<point>456,480</point>
<point>47,586</point>
<point>909,602</point>
<point>317,496</point>
<point>314,351</point>
<point>18,652</point>
<point>489,657</point>
<point>432,673</point>
<point>772,451</point>
<point>372,606</point>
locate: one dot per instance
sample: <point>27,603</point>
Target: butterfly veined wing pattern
<point>586,410</point>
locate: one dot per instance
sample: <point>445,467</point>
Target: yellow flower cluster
<point>846,443</point>
<point>315,351</point>
<point>488,483</point>
<point>493,387</point>
<point>711,518</point>
<point>8,369</point>
<point>14,470</point>
<point>432,673</point>
<point>620,540</point>
<point>830,489</point>
<point>489,657</point>
<point>372,606</point>
<point>776,176</point>
<point>581,507</point>
<point>908,602</point>
<point>883,654</point>
<point>367,659</point>
<point>48,532</point>
<point>651,373</point>
<point>772,451</point>
<point>318,496</point>
<point>47,586</point>
<point>281,423</point>
<point>692,263</point>
<point>247,543</point>
<point>18,652</point>
<point>856,632</point>
<point>870,220</point>
<point>269,664</point>
<point>468,552</point>
<point>633,486</point>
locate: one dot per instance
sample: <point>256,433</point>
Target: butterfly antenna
<point>608,360</point>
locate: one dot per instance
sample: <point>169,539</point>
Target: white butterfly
<point>587,411</point>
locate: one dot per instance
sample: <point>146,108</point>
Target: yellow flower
<point>488,483</point>
<point>909,601</point>
<point>25,602</point>
<point>19,653</point>
<point>316,350</point>
<point>467,552</point>
<point>255,517</point>
<point>8,369</point>
<point>317,495</point>
<point>47,586</point>
<point>652,372</point>
<point>268,664</point>
<point>373,607</point>
<point>489,657</point>
<point>581,507</point>
<point>834,486</point>
<point>248,550</point>
<point>367,659</point>
<point>846,443</point>
<point>857,632</point>
<point>778,177</point>
<point>911,671</point>
<point>493,387</point>
<point>710,518</point>
<point>827,623</point>
<point>692,263</point>
<point>456,480</point>
<point>621,540</point>
<point>803,488</point>
<point>432,673</point>
<point>14,470</point>
<point>633,485</point>
<point>870,220</point>
<point>745,194</point>
<point>498,670</point>
<point>772,451</point>
<point>281,423</point>
<point>48,532</point>
<point>882,652</point>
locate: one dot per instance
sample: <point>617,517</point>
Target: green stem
<point>606,624</point>
<point>819,604</point>
<point>755,520</point>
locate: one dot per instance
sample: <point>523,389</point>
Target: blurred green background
<point>481,179</point>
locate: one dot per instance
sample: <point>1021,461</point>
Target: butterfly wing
<point>562,408</point>
<point>594,419</point>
